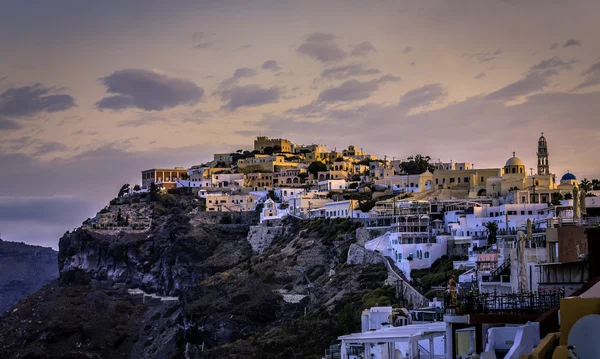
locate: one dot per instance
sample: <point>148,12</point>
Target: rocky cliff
<point>23,270</point>
<point>207,293</point>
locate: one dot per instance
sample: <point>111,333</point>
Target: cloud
<point>423,96</point>
<point>238,74</point>
<point>143,120</point>
<point>552,63</point>
<point>147,90</point>
<point>479,76</point>
<point>553,46</point>
<point>322,48</point>
<point>593,77</point>
<point>408,49</point>
<point>204,45</point>
<point>533,82</point>
<point>249,96</point>
<point>345,71</point>
<point>6,124</point>
<point>353,90</point>
<point>49,147</point>
<point>270,65</point>
<point>483,57</point>
<point>362,49</point>
<point>571,42</point>
<point>31,100</point>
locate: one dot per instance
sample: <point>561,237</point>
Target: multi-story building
<point>163,177</point>
<point>278,144</point>
<point>259,181</point>
<point>302,205</point>
<point>265,163</point>
<point>290,177</point>
<point>229,203</point>
<point>340,209</point>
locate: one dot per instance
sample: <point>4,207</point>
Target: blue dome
<point>568,177</point>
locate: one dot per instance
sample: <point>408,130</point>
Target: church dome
<point>568,177</point>
<point>514,161</point>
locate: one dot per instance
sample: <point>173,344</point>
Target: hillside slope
<point>23,270</point>
<point>217,293</point>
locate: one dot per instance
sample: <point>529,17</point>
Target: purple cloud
<point>423,96</point>
<point>345,71</point>
<point>147,90</point>
<point>31,100</point>
<point>362,49</point>
<point>249,96</point>
<point>322,48</point>
<point>271,65</point>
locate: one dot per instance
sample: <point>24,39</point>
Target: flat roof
<point>399,333</point>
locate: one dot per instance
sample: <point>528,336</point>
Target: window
<point>452,180</point>
<point>522,213</point>
<point>529,212</point>
<point>466,180</point>
<point>458,180</point>
<point>436,181</point>
<point>482,180</point>
<point>443,180</point>
<point>426,254</point>
<point>399,256</point>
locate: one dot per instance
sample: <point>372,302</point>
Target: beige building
<point>163,177</point>
<point>265,163</point>
<point>230,203</point>
<point>290,177</point>
<point>263,142</point>
<point>259,181</point>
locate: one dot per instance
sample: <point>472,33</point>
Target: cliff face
<point>23,270</point>
<point>205,288</point>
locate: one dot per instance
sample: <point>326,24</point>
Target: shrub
<point>268,277</point>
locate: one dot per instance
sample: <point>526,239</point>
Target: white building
<point>301,206</point>
<point>333,185</point>
<point>340,209</point>
<point>270,211</point>
<point>409,252</point>
<point>284,194</point>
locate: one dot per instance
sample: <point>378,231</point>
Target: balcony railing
<point>475,302</point>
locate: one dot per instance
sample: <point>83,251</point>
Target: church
<point>515,185</point>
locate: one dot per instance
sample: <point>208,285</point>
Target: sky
<point>93,92</point>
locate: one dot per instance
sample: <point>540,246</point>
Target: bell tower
<point>543,167</point>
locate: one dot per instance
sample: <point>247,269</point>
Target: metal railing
<point>512,303</point>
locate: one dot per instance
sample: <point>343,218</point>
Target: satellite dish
<point>584,337</point>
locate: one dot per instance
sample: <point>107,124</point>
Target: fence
<point>512,303</point>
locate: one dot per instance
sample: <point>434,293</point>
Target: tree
<point>568,196</point>
<point>595,184</point>
<point>184,176</point>
<point>154,192</point>
<point>415,165</point>
<point>137,187</point>
<point>492,228</point>
<point>124,190</point>
<point>585,185</point>
<point>317,167</point>
<point>556,198</point>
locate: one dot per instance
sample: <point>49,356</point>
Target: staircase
<point>499,273</point>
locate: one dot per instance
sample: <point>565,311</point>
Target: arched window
<point>514,170</point>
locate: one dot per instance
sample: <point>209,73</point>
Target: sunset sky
<point>93,92</point>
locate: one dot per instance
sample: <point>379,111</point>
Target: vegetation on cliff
<point>292,299</point>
